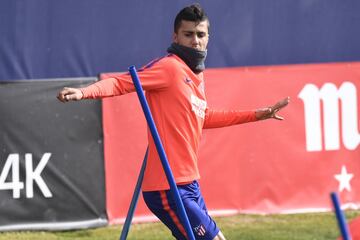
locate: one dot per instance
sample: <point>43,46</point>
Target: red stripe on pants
<point>172,214</point>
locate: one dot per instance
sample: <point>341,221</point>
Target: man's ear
<point>175,38</point>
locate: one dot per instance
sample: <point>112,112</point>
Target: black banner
<point>51,158</point>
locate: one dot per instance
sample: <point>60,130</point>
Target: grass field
<point>314,226</point>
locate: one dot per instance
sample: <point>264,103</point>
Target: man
<point>174,88</point>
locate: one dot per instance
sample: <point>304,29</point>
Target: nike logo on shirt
<point>187,80</point>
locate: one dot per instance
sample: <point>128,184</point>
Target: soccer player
<point>174,88</point>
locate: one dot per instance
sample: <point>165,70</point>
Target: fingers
<point>271,112</point>
<point>281,104</point>
<point>67,94</point>
<point>278,106</point>
<point>61,95</point>
<point>277,117</point>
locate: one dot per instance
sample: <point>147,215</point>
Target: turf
<point>314,226</point>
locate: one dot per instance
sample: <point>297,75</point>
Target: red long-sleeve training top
<point>177,101</point>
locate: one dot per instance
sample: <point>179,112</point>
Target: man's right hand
<point>68,94</point>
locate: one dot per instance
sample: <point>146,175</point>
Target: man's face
<point>192,34</point>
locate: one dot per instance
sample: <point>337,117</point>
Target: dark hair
<point>193,13</point>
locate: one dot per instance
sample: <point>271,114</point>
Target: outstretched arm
<point>154,77</point>
<point>108,87</point>
<point>224,118</point>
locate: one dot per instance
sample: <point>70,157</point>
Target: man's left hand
<point>271,112</point>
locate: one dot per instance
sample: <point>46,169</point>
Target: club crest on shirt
<point>200,230</point>
<point>198,106</point>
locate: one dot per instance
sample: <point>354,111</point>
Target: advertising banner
<point>51,158</point>
<point>261,167</point>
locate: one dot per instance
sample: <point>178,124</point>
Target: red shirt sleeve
<point>224,118</point>
<point>154,76</point>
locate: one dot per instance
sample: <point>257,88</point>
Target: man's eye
<point>201,35</point>
<point>188,34</point>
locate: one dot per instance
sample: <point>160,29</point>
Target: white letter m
<point>330,97</point>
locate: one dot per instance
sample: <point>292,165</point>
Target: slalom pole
<point>340,217</point>
<point>173,188</point>
<point>134,199</point>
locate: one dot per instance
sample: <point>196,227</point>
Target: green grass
<point>314,226</point>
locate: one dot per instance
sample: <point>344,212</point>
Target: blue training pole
<point>173,188</point>
<point>134,199</point>
<point>340,217</point>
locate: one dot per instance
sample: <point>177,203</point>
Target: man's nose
<point>195,40</point>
